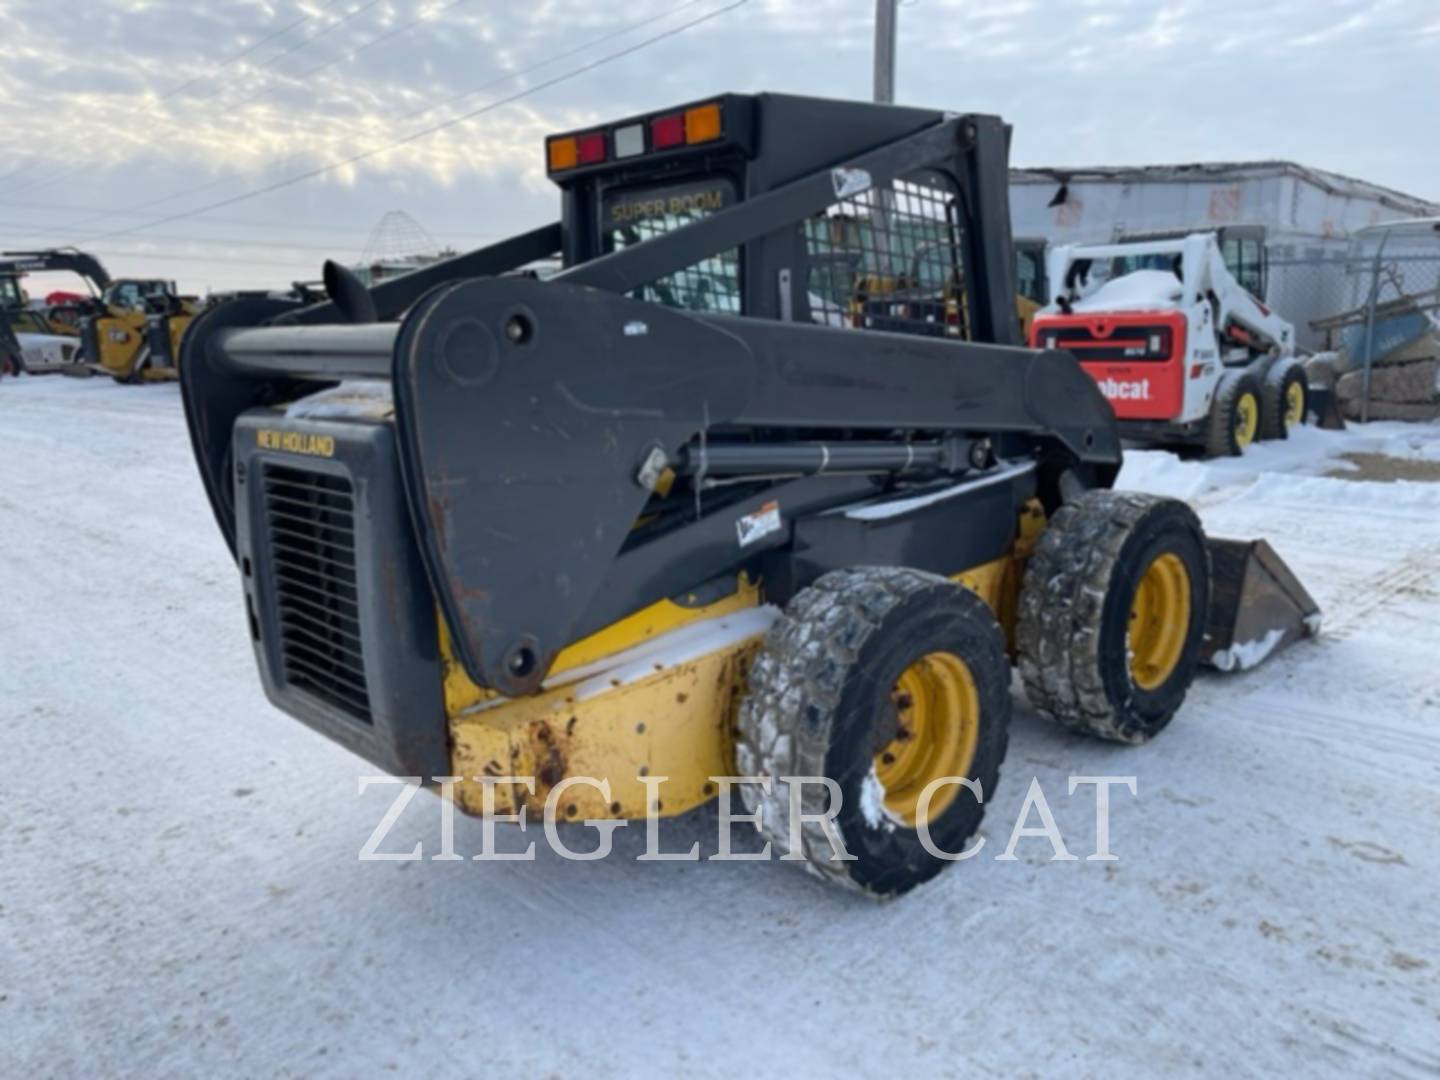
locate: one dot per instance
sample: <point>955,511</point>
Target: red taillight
<point>694,126</point>
<point>590,148</point>
<point>667,131</point>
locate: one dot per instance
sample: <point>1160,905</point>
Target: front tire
<point>884,680</point>
<point>1286,399</point>
<point>1112,614</point>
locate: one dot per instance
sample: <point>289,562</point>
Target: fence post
<point>1370,327</point>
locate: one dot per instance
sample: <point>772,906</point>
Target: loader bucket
<point>1257,605</point>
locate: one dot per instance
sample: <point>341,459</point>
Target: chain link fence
<point>1373,313</point>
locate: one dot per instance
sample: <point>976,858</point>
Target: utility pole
<point>885,11</point>
<point>884,207</point>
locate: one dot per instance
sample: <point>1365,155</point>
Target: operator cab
<point>877,258</point>
<point>138,294</point>
<point>1241,246</point>
<point>12,297</point>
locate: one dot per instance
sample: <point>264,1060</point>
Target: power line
<point>631,28</point>
<point>394,32</point>
<point>509,76</point>
<point>244,53</point>
<point>217,241</point>
<point>244,223</point>
<point>432,129</point>
<point>303,42</point>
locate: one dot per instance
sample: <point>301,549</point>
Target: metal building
<point>1285,227</point>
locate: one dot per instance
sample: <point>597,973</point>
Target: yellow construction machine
<point>134,335</point>
<point>684,512</point>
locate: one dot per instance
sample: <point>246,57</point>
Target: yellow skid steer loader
<point>664,515</point>
<point>134,337</point>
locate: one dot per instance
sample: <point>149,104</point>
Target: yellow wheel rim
<point>937,705</point>
<point>1247,420</point>
<point>1294,405</point>
<point>1159,621</point>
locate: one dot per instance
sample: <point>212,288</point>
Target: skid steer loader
<point>133,335</point>
<point>659,516</point>
<point>1183,351</point>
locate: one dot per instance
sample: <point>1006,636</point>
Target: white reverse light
<point>630,141</point>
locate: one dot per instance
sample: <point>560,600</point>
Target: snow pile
<point>1160,472</point>
<point>1309,451</point>
<point>1244,655</point>
<point>1141,290</point>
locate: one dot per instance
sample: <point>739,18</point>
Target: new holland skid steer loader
<point>665,515</point>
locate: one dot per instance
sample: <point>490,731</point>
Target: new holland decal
<point>296,442</point>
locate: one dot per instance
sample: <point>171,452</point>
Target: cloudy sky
<point>166,135</point>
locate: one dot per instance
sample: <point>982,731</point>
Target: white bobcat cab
<point>1182,351</point>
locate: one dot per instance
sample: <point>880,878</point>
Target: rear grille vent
<point>1125,343</point>
<point>310,528</point>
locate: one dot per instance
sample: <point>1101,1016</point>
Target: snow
<point>353,398</point>
<point>182,894</point>
<point>667,650</point>
<point>1273,466</point>
<point>1243,655</point>
<point>872,803</point>
<point>1139,290</point>
<point>879,511</point>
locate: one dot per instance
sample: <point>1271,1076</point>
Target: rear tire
<point>1286,399</point>
<point>828,697</point>
<point>1234,415</point>
<point>1112,614</point>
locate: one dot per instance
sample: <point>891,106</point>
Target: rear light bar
<point>676,129</point>
<point>1156,344</point>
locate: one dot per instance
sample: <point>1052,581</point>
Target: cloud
<point>1343,84</point>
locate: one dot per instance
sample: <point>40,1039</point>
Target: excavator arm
<point>78,262</point>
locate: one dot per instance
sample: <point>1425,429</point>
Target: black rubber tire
<point>1221,439</point>
<point>1282,375</point>
<point>1075,601</point>
<point>819,705</point>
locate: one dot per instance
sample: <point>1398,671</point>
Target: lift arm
<point>77,262</point>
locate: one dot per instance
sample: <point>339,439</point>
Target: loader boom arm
<point>528,412</point>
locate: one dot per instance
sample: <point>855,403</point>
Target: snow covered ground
<point>180,893</point>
